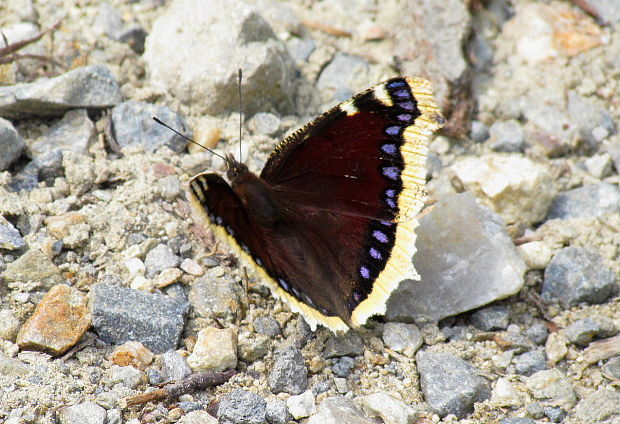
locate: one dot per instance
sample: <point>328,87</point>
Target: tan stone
<point>133,354</point>
<point>58,322</point>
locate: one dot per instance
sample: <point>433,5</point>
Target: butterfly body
<point>329,223</point>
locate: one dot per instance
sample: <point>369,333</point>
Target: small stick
<point>8,52</point>
<point>194,382</point>
<point>328,29</point>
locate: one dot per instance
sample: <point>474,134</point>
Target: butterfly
<point>329,223</point>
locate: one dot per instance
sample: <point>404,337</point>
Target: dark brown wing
<point>345,188</point>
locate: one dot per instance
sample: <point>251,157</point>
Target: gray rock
<point>90,87</point>
<point>12,367</point>
<point>174,366</point>
<point>465,259</point>
<point>268,326</point>
<point>491,318</point>
<point>529,363</point>
<point>160,258</point>
<point>82,413</point>
<point>338,75</point>
<point>606,11</point>
<point>479,132</point>
<point>403,338</point>
<point>74,132</point>
<point>507,136</point>
<point>241,407</point>
<point>587,201</point>
<point>301,48</point>
<point>601,406</point>
<point>109,22</point>
<point>122,314</point>
<point>10,239</point>
<point>216,295</point>
<point>128,376</point>
<point>133,123</point>
<point>516,340</point>
<point>593,123</point>
<point>611,369</point>
<point>265,123</point>
<point>576,275</point>
<point>581,332</point>
<point>537,333</point>
<point>555,414</point>
<point>517,420</point>
<point>33,266</point>
<point>450,385</point>
<point>277,412</point>
<point>343,366</point>
<point>154,376</point>
<point>289,373</point>
<point>390,409</point>
<point>339,410</point>
<point>237,36</point>
<point>252,346</point>
<point>11,144</point>
<point>553,386</point>
<point>349,344</point>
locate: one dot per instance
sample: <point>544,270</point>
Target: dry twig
<point>194,382</point>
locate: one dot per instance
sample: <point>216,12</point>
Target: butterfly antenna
<point>187,138</point>
<point>239,76</point>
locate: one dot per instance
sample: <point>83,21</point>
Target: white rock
<point>192,267</point>
<point>535,254</point>
<point>215,350</point>
<point>390,409</point>
<point>517,188</point>
<point>504,394</point>
<point>135,266</point>
<point>237,36</point>
<point>302,405</point>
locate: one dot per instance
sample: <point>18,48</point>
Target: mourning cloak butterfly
<point>329,224</point>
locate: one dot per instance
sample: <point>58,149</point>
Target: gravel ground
<point>109,288</point>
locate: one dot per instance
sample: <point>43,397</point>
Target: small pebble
<point>86,412</point>
<point>242,407</point>
<point>132,353</point>
<point>215,350</point>
<point>491,318</point>
<point>583,331</point>
<point>302,405</point>
<point>289,373</point>
<point>277,412</point>
<point>343,366</point>
<point>191,267</point>
<point>531,362</point>
<point>268,326</point>
<point>349,344</point>
<point>403,338</point>
<point>174,366</point>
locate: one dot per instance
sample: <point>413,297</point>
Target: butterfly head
<point>235,169</point>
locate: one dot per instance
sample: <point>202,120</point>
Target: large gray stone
<point>465,259</point>
<point>577,275</point>
<point>133,123</point>
<point>90,87</point>
<point>242,407</point>
<point>209,44</point>
<point>587,201</point>
<point>450,385</point>
<point>121,314</point>
<point>11,144</point>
